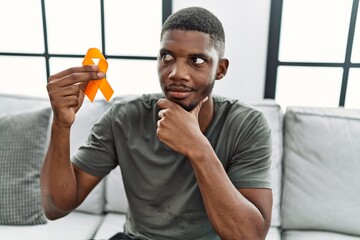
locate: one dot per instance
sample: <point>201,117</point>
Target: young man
<point>194,165</point>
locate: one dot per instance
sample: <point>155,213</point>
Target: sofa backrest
<point>321,170</point>
<point>13,104</point>
<point>274,115</point>
<point>87,116</point>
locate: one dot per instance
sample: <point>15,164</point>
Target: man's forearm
<point>231,214</point>
<point>58,180</point>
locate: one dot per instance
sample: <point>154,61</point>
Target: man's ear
<point>222,68</point>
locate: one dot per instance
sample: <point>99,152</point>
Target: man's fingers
<point>64,92</point>
<point>87,68</point>
<point>75,79</point>
<point>161,113</point>
<point>79,74</point>
<point>83,86</point>
<point>165,103</point>
<point>196,110</point>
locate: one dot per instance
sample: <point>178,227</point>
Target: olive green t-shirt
<point>162,192</point>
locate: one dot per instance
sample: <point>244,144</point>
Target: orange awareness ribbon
<point>102,84</point>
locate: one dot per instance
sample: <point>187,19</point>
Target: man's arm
<point>234,213</point>
<point>63,185</point>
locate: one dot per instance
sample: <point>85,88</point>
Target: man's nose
<point>179,72</point>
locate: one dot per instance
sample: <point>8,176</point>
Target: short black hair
<point>197,19</point>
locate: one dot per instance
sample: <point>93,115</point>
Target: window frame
<point>273,52</point>
<point>166,12</point>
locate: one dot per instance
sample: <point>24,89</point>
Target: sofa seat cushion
<point>75,226</point>
<point>317,235</point>
<point>112,224</point>
<point>321,170</point>
<point>273,234</point>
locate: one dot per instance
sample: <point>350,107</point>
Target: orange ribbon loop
<point>95,85</point>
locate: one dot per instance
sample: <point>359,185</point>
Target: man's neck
<point>206,114</point>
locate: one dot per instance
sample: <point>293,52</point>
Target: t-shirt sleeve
<point>97,155</point>
<point>250,164</point>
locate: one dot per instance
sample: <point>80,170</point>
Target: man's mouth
<point>179,92</point>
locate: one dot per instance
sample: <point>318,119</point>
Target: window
<point>54,35</point>
<point>314,53</point>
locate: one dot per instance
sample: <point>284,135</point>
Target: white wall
<point>246,24</point>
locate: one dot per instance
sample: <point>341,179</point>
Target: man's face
<point>187,67</point>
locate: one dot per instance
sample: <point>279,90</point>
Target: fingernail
<point>101,74</point>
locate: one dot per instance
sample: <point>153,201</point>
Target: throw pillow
<point>23,140</point>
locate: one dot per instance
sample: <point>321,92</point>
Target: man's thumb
<point>196,110</point>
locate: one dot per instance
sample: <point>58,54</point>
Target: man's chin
<point>188,107</point>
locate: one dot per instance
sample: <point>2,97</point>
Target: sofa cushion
<point>75,226</point>
<point>112,224</point>
<point>94,203</point>
<point>86,117</point>
<point>273,234</point>
<point>274,115</point>
<point>88,114</point>
<point>317,235</point>
<point>17,104</point>
<point>321,170</point>
<point>116,200</point>
<point>23,140</point>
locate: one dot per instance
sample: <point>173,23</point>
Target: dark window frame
<point>166,12</point>
<point>273,52</point>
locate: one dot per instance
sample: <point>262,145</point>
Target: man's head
<point>191,57</point>
<point>197,19</point>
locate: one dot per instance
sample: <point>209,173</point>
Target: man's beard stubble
<point>206,92</point>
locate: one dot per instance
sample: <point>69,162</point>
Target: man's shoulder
<point>125,99</point>
<point>128,102</point>
<point>234,106</point>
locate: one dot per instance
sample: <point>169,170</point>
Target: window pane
<point>133,27</point>
<point>355,56</point>
<point>314,31</point>
<point>133,76</point>
<point>23,76</point>
<point>60,64</point>
<point>73,26</point>
<point>21,26</point>
<point>308,86</point>
<point>353,89</point>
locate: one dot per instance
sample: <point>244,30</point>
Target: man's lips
<point>179,92</point>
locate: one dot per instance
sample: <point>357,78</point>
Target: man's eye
<point>198,61</point>
<point>166,57</point>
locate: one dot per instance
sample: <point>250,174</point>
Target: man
<point>194,165</point>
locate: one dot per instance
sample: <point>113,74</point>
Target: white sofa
<point>315,176</point>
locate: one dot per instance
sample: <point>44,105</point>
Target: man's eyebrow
<point>199,55</point>
<point>192,55</point>
<point>164,50</point>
